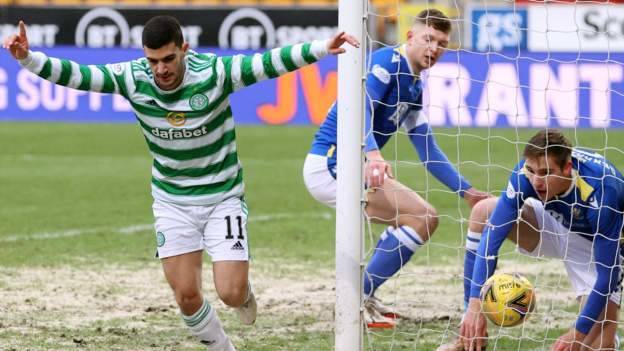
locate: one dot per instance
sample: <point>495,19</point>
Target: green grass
<point>93,180</point>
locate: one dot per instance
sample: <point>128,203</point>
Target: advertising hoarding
<point>239,28</point>
<point>463,89</point>
<point>301,97</point>
<point>576,28</point>
<point>498,29</point>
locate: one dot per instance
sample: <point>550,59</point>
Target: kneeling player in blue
<point>394,100</point>
<point>564,203</point>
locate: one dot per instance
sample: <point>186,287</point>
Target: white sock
<point>408,237</point>
<point>206,326</point>
<point>472,240</point>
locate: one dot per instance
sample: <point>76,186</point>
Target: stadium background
<point>493,44</point>
<point>76,244</point>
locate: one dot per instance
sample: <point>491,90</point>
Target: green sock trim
<point>198,316</point>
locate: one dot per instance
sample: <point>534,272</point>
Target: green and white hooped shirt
<point>189,130</point>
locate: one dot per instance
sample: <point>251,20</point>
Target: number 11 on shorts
<point>239,220</point>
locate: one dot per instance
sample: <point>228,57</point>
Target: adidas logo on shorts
<point>238,246</point>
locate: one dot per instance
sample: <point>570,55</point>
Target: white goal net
<point>511,69</point>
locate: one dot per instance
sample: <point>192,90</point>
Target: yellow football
<point>507,299</point>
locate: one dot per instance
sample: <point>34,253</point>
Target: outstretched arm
<point>605,250</point>
<point>473,329</point>
<point>379,82</point>
<point>96,78</point>
<point>241,70</point>
<point>495,233</point>
<point>438,164</point>
<point>435,160</point>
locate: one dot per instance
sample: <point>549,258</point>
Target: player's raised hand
<point>17,44</point>
<point>376,170</point>
<point>472,196</point>
<point>473,330</point>
<point>334,44</point>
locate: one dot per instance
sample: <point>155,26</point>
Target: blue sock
<point>390,255</point>
<point>472,243</point>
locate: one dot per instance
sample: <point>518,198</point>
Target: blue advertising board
<point>301,97</point>
<point>464,89</point>
<point>562,90</point>
<point>499,29</point>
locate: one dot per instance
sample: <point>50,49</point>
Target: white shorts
<point>575,251</point>
<point>318,176</point>
<point>220,229</point>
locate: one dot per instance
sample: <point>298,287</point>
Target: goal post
<point>349,220</point>
<point>510,69</point>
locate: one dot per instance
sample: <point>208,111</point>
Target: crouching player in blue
<point>394,100</point>
<point>564,203</point>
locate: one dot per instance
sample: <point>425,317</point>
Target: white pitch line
<point>143,227</point>
<point>134,228</point>
<point>290,215</point>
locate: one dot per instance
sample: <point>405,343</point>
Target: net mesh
<point>510,69</point>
